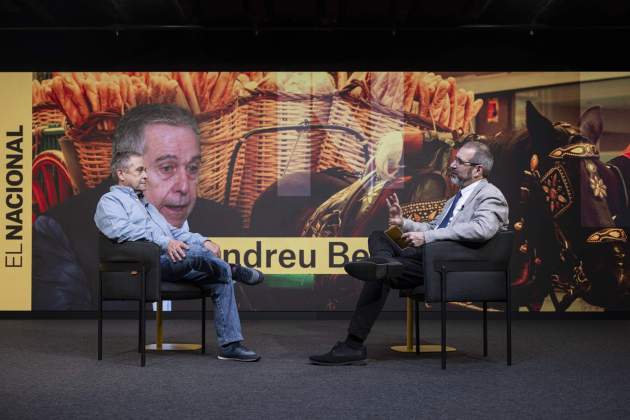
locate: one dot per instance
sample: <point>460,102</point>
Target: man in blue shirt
<point>124,215</point>
<point>119,216</point>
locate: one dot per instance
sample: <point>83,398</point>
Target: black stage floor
<point>561,369</point>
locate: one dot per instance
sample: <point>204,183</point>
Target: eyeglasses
<point>459,162</point>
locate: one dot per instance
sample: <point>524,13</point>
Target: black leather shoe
<point>341,355</point>
<point>249,276</point>
<point>237,352</point>
<point>375,268</point>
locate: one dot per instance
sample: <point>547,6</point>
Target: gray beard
<point>456,181</point>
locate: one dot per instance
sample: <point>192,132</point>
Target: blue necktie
<point>449,214</point>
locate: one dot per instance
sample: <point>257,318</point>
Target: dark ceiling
<point>313,14</point>
<point>312,34</point>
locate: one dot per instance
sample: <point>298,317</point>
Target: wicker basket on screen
<point>93,145</point>
<point>220,131</point>
<point>268,156</point>
<point>372,120</point>
<point>44,116</point>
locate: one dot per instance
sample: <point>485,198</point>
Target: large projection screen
<point>295,168</point>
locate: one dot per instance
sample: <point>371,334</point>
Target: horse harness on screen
<point>554,185</point>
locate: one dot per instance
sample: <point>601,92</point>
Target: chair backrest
<point>126,285</point>
<point>470,285</point>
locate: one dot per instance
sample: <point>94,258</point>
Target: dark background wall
<point>457,49</point>
<point>466,35</point>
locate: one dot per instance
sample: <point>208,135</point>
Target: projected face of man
<point>172,157</point>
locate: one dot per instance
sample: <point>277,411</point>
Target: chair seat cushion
<point>415,293</point>
<point>182,290</point>
<point>473,286</point>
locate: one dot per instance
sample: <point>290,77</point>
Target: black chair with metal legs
<point>466,272</point>
<point>131,271</point>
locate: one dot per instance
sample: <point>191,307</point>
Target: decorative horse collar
<point>577,150</point>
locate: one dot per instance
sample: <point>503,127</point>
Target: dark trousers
<point>374,293</point>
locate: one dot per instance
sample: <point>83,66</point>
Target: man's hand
<point>212,247</point>
<point>176,250</point>
<point>395,211</point>
<point>414,238</point>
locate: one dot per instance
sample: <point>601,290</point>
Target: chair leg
<point>417,315</point>
<point>485,329</point>
<point>203,325</point>
<point>139,327</point>
<point>508,317</point>
<point>143,325</point>
<point>443,316</point>
<point>100,316</point>
<point>443,351</point>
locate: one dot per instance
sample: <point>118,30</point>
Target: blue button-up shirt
<point>122,216</point>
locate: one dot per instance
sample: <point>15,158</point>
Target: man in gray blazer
<point>476,213</point>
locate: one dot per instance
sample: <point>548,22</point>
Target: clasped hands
<point>395,218</point>
<point>176,250</point>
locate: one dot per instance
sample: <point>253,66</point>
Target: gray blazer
<point>485,212</point>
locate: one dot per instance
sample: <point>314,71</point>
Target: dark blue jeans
<point>198,258</point>
<point>209,272</point>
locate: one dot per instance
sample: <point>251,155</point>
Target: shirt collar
<point>122,188</point>
<point>128,190</point>
<point>470,187</point>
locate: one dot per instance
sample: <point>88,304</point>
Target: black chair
<point>463,272</point>
<point>131,271</point>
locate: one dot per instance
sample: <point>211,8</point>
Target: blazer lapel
<point>477,189</point>
<point>447,205</point>
<point>480,185</point>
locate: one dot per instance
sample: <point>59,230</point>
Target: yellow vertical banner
<point>16,201</point>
